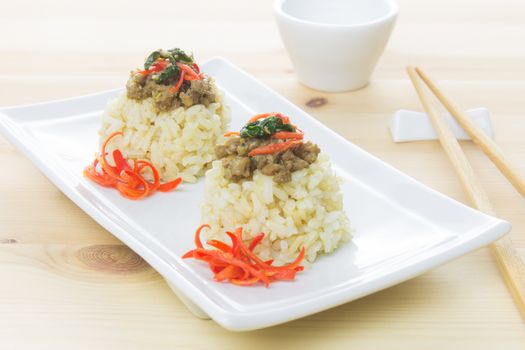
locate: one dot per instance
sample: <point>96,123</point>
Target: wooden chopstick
<point>511,266</point>
<point>451,146</point>
<point>487,145</point>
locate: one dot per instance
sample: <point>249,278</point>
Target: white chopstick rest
<point>408,126</point>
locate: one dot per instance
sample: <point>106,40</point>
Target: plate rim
<point>231,318</point>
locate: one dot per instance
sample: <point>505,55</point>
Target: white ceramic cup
<point>334,45</point>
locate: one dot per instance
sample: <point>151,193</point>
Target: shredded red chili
<point>285,119</point>
<point>291,135</point>
<point>128,180</point>
<point>274,148</point>
<point>238,264</point>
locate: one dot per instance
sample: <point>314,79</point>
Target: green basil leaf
<point>179,55</point>
<point>251,130</point>
<point>265,127</point>
<point>288,127</point>
<point>168,75</point>
<point>151,59</point>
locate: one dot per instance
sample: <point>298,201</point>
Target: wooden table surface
<point>66,283</point>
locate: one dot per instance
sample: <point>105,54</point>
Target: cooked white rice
<point>179,142</point>
<point>307,211</point>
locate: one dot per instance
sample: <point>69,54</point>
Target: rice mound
<point>307,211</point>
<point>179,142</point>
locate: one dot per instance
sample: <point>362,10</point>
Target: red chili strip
<point>273,148</point>
<point>128,180</point>
<point>238,264</point>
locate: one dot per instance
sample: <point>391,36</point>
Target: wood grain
<point>51,299</point>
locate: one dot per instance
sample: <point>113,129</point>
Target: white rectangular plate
<point>402,228</point>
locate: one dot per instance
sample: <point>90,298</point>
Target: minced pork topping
<point>268,143</point>
<point>172,79</point>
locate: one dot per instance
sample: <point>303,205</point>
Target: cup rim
<point>393,12</point>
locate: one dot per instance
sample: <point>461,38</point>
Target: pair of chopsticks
<point>507,257</point>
